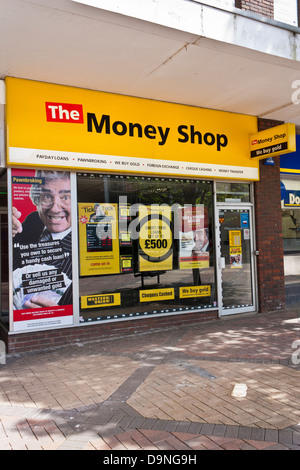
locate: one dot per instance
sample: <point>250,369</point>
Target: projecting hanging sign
<point>274,141</point>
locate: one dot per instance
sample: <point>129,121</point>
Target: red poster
<point>42,249</point>
<point>194,238</point>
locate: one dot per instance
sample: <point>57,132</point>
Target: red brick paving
<point>96,397</point>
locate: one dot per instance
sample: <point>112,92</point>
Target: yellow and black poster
<point>235,237</point>
<point>100,300</point>
<point>235,249</point>
<point>194,291</point>
<point>98,239</point>
<point>150,295</point>
<point>126,263</point>
<point>155,240</point>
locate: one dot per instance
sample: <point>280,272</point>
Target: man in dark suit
<point>51,221</point>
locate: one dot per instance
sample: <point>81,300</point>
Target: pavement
<point>160,391</point>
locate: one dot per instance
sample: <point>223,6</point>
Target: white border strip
<point>95,162</point>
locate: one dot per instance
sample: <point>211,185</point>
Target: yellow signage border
<point>273,142</point>
<point>57,126</point>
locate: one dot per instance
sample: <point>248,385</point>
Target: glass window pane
<point>236,251</point>
<point>291,230</point>
<point>233,192</point>
<point>145,246</point>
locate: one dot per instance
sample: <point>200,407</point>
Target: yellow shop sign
<point>273,142</point>
<point>59,126</point>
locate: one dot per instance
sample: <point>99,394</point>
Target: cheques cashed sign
<point>59,126</point>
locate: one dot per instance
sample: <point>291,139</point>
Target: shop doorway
<point>236,262</point>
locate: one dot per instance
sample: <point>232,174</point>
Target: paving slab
<point>169,389</point>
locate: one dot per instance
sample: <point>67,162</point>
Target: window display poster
<point>150,295</point>
<point>100,300</point>
<point>235,238</point>
<point>190,292</point>
<point>193,238</point>
<point>98,238</point>
<point>126,262</point>
<point>155,238</point>
<point>235,254</point>
<point>42,249</point>
<point>235,249</point>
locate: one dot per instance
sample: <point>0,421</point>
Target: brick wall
<point>25,342</point>
<point>270,268</point>
<point>265,7</point>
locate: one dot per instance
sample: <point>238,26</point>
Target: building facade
<point>131,200</point>
<point>289,180</point>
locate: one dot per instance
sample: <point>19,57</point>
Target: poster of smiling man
<point>42,249</point>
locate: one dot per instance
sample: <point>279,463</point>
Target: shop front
<point>124,208</point>
<point>290,205</point>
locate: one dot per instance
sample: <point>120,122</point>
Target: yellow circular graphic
<point>155,238</point>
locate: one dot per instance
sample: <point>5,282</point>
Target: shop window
<point>233,192</point>
<point>291,230</point>
<point>290,203</point>
<point>145,246</point>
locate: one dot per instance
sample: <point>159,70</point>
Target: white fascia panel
<point>177,14</point>
<point>211,22</point>
<point>250,33</point>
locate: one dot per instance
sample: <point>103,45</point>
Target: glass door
<point>236,263</point>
